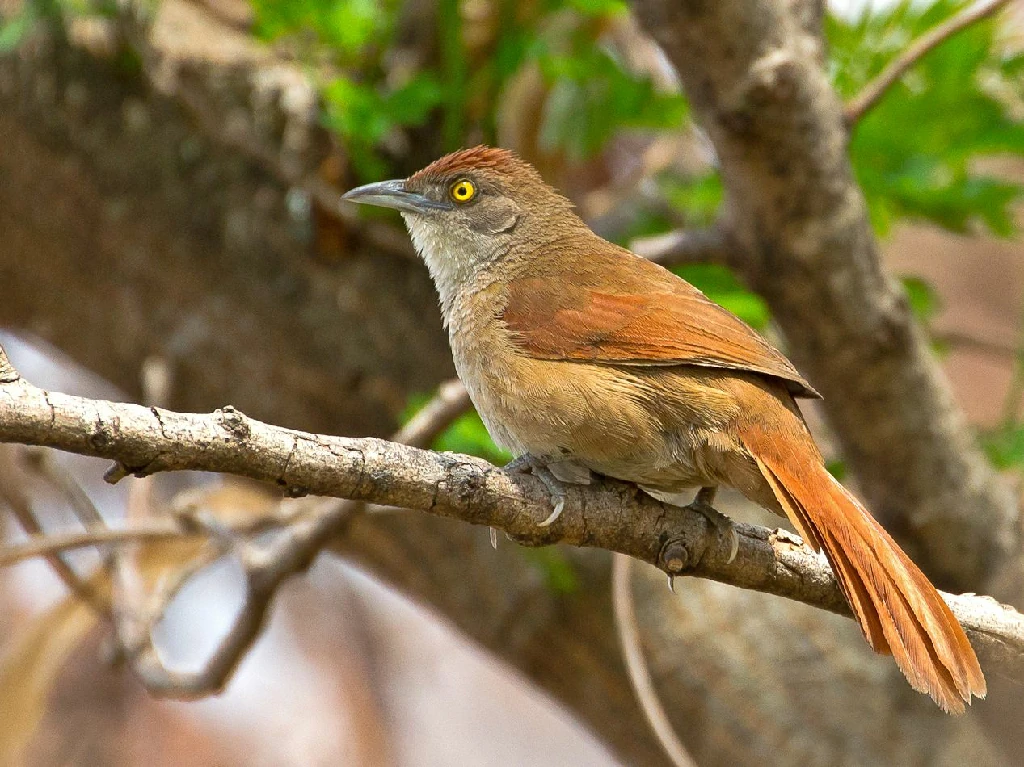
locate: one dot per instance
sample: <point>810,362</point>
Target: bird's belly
<point>612,421</point>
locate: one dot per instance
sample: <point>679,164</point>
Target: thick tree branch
<point>872,93</point>
<point>611,516</point>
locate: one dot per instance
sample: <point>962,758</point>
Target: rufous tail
<point>896,606</point>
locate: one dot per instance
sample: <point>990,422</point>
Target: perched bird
<point>583,357</point>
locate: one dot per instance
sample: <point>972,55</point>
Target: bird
<point>583,358</point>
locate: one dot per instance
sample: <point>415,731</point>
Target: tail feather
<point>853,589</point>
<point>898,609</point>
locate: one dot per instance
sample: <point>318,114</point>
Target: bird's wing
<point>636,314</point>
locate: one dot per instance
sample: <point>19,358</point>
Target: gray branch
<point>712,245</point>
<point>612,515</point>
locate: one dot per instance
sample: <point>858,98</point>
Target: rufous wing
<point>617,308</point>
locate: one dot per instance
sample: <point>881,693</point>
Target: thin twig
<point>862,103</point>
<point>969,342</point>
<point>711,245</point>
<point>451,401</point>
<point>639,676</point>
<point>1015,389</point>
<point>45,544</point>
<point>58,476</point>
<point>265,568</point>
<point>21,508</point>
<point>7,372</point>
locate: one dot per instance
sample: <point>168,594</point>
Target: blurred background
<point>169,233</point>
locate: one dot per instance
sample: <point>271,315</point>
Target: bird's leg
<point>702,504</point>
<point>554,474</point>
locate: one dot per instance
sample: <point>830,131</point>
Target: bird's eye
<point>462,191</point>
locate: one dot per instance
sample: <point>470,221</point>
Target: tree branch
<point>41,544</point>
<point>711,245</point>
<point>265,567</point>
<point>872,93</point>
<point>611,515</point>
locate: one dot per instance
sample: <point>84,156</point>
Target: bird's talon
<point>559,505</point>
<point>734,547</point>
<point>528,463</point>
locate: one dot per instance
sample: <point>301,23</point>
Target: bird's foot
<point>702,504</point>
<point>554,475</point>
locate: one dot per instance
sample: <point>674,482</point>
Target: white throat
<point>450,266</point>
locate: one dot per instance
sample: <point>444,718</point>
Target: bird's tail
<point>896,606</point>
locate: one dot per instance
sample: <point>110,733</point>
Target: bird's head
<point>471,208</point>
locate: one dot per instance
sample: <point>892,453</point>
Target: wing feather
<point>638,315</point>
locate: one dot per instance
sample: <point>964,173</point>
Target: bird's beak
<point>393,194</point>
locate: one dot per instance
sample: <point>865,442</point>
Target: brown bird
<point>583,357</point>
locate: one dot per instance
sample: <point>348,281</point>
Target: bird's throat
<point>455,264</point>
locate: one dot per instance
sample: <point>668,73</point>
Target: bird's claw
<point>530,464</point>
<point>556,512</point>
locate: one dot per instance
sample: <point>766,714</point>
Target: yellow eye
<point>462,191</point>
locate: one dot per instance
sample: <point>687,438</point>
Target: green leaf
<point>14,29</point>
<point>924,301</point>
<point>346,27</point>
<point>467,434</point>
<point>362,115</point>
<point>699,198</point>
<point>837,468</point>
<point>605,8</point>
<point>592,97</point>
<point>1005,446</point>
<point>412,103</point>
<point>914,153</point>
<point>355,110</point>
